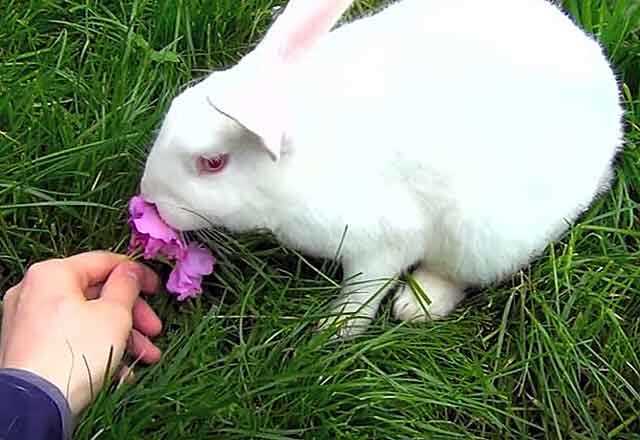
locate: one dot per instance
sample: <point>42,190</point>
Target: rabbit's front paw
<point>347,320</point>
<point>442,298</point>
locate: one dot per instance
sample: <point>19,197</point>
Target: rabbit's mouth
<point>182,218</point>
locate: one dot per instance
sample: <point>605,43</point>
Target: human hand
<point>69,320</point>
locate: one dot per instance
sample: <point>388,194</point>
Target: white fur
<point>461,134</point>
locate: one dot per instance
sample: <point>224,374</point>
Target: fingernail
<point>133,274</point>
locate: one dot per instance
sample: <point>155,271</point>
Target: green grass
<point>551,354</point>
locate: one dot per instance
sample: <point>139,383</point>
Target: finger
<point>8,307</point>
<point>149,284</point>
<point>150,281</point>
<point>123,285</point>
<point>74,275</point>
<point>93,292</point>
<point>11,296</point>
<point>145,320</point>
<point>7,310</point>
<point>141,347</point>
<point>92,268</point>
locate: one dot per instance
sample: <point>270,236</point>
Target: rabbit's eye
<point>213,164</point>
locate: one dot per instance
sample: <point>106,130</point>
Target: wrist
<point>48,389</point>
<point>64,385</point>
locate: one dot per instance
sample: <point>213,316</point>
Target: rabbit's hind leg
<point>442,297</point>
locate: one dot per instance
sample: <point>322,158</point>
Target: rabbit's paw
<point>442,297</point>
<point>346,321</point>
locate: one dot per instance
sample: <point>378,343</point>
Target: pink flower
<point>157,239</point>
<point>151,233</point>
<point>186,277</point>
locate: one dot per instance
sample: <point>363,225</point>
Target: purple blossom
<point>186,277</point>
<point>151,233</point>
<point>157,239</point>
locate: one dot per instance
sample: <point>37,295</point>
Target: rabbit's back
<point>501,116</point>
<point>487,69</point>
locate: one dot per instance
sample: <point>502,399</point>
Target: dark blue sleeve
<point>31,408</point>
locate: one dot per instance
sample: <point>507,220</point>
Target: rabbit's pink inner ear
<point>302,24</point>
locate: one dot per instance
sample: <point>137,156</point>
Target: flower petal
<point>136,206</point>
<point>151,234</point>
<point>151,223</point>
<point>186,287</point>
<point>198,260</point>
<point>153,247</point>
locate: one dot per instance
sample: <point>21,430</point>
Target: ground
<point>552,353</point>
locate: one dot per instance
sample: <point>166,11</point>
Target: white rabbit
<point>462,135</point>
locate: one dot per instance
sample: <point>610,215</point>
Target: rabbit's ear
<point>255,94</point>
<point>257,106</point>
<point>299,27</point>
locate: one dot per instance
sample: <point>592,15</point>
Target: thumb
<point>123,286</point>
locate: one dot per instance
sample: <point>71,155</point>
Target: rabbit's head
<point>218,151</point>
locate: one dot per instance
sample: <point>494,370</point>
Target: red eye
<point>213,164</point>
